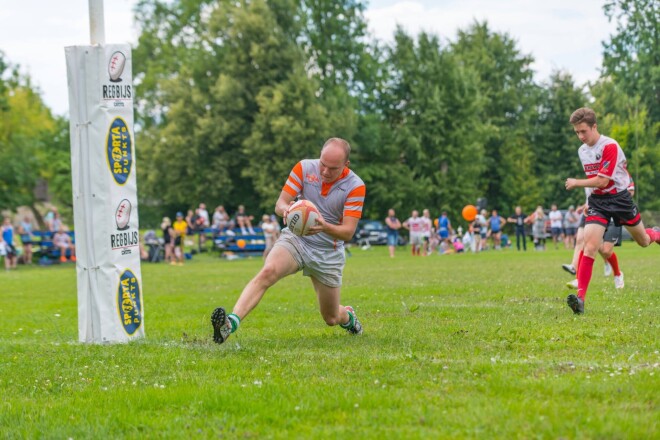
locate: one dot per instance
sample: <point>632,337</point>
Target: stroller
<point>156,246</point>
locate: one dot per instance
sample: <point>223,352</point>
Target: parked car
<point>373,232</point>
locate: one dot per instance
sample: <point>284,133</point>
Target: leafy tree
<point>26,131</point>
<point>429,146</point>
<point>554,142</point>
<point>632,56</point>
<point>509,98</point>
<point>626,119</point>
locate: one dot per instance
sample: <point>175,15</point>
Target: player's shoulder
<point>353,175</point>
<point>606,141</point>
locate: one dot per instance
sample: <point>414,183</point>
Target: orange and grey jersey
<point>342,198</point>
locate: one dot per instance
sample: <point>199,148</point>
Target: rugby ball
<point>123,215</point>
<point>302,215</point>
<point>116,66</point>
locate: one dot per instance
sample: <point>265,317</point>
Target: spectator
<point>414,225</point>
<point>495,223</point>
<point>244,221</point>
<point>393,225</point>
<point>519,219</point>
<point>62,241</point>
<point>483,220</point>
<point>444,226</point>
<point>458,245</point>
<point>180,227</point>
<point>427,227</point>
<point>475,229</point>
<point>25,231</point>
<point>538,228</point>
<point>168,239</point>
<point>8,249</point>
<point>190,222</point>
<point>556,221</point>
<point>201,223</point>
<point>571,224</point>
<point>446,247</point>
<point>56,224</point>
<point>204,214</point>
<point>48,218</point>
<point>221,219</point>
<point>271,233</point>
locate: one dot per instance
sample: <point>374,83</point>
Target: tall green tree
<point>433,141</point>
<point>632,55</point>
<point>509,97</point>
<point>553,141</point>
<point>28,139</point>
<point>626,119</point>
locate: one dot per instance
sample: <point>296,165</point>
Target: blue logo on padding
<point>129,302</point>
<point>120,156</point>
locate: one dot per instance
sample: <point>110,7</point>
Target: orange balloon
<point>240,243</point>
<point>469,213</point>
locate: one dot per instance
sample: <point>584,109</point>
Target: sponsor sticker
<point>119,150</point>
<point>129,302</point>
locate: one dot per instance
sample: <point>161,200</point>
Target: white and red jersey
<point>342,198</point>
<point>605,158</point>
<point>415,224</point>
<point>427,225</point>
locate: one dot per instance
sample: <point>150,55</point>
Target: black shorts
<point>620,207</point>
<point>613,234</point>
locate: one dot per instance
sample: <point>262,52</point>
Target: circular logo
<point>119,150</point>
<point>129,302</point>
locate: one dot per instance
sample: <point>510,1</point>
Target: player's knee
<point>267,275</point>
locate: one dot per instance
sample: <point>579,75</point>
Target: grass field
<point>461,346</point>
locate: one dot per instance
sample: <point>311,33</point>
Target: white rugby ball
<point>116,66</point>
<point>123,214</point>
<point>302,215</point>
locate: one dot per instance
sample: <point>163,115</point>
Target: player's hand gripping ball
<point>469,213</point>
<point>301,216</point>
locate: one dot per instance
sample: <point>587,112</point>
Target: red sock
<point>614,262</point>
<point>653,235</point>
<point>584,275</point>
<point>577,268</point>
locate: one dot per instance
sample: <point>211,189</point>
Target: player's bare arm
<point>594,182</point>
<point>283,203</point>
<point>344,231</point>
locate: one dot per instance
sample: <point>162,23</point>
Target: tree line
<point>231,94</point>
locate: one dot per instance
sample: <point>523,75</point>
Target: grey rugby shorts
<point>326,265</point>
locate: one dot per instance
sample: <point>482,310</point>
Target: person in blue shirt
<point>495,223</point>
<point>8,244</point>
<point>444,227</point>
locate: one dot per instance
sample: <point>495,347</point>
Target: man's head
<point>518,210</point>
<point>390,212</point>
<point>334,158</point>
<point>585,125</point>
<point>553,207</point>
<point>426,213</point>
<point>415,213</point>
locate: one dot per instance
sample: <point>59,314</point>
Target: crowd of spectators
<point>486,231</point>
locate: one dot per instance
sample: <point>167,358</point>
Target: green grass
<point>461,346</point>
